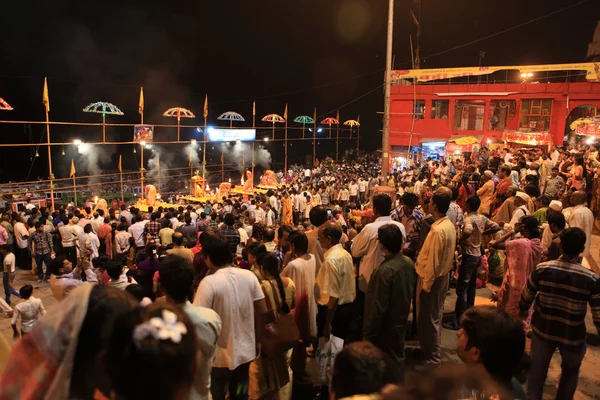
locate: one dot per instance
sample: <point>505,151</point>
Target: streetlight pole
<point>385,143</point>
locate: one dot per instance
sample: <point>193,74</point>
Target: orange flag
<point>120,165</point>
<point>141,102</point>
<point>45,98</point>
<point>205,106</point>
<point>285,112</point>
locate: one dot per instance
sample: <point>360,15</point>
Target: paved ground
<point>590,371</point>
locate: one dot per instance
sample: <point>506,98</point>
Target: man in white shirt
<point>236,296</point>
<point>335,285</point>
<point>301,207</point>
<point>353,189</point>
<point>137,231</point>
<point>68,238</point>
<point>366,244</point>
<point>362,189</point>
<point>270,216</point>
<point>8,274</point>
<point>22,240</point>
<point>125,213</point>
<point>29,205</point>
<point>260,215</point>
<point>307,174</point>
<point>583,218</point>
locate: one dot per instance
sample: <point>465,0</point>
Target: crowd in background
<point>187,294</point>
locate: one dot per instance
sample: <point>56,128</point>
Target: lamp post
<point>385,143</point>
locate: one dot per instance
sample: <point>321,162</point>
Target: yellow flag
<point>338,116</point>
<point>45,98</point>
<point>205,106</point>
<point>358,119</point>
<point>72,174</point>
<point>253,108</point>
<point>285,112</point>
<point>120,165</point>
<point>141,103</point>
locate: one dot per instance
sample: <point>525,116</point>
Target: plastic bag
<point>325,356</point>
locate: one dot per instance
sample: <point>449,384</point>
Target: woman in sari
<point>62,356</point>
<point>268,375</point>
<point>522,256</point>
<point>286,214</point>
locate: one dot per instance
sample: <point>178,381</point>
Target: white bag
<point>325,356</point>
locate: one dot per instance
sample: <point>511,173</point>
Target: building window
<point>439,109</point>
<point>500,110</point>
<point>469,115</point>
<point>419,109</point>
<point>536,114</point>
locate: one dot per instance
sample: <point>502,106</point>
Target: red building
<point>494,112</point>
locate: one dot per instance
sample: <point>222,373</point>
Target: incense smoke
<point>191,153</point>
<point>92,156</point>
<point>158,166</point>
<point>241,155</point>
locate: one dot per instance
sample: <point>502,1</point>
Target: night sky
<point>308,53</point>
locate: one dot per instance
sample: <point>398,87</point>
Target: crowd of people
<point>232,298</point>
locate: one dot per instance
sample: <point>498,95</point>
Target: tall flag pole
<point>72,175</point>
<point>358,136</point>
<point>46,101</point>
<point>254,141</point>
<point>205,140</point>
<point>285,116</point>
<point>121,177</point>
<point>158,173</point>
<point>315,137</point>
<point>337,137</point>
<point>141,111</point>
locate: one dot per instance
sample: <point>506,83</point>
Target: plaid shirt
<point>563,290</point>
<point>152,228</point>
<point>411,223</point>
<point>40,243</point>
<point>233,237</point>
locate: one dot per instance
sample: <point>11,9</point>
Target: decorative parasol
<point>178,112</point>
<point>272,118</point>
<point>304,119</point>
<point>330,121</point>
<point>4,105</point>
<point>103,107</point>
<point>231,116</point>
<point>352,123</point>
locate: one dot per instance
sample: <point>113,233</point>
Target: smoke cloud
<point>191,153</point>
<point>241,155</point>
<point>92,157</point>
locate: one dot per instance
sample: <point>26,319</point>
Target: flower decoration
<point>165,328</point>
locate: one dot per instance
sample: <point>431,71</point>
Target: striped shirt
<point>563,290</point>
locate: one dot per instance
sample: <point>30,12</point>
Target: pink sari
<point>522,256</point>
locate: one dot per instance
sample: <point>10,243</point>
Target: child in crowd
<point>28,311</point>
<point>138,292</point>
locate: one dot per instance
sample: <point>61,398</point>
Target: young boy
<point>29,311</point>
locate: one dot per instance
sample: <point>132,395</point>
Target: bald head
<point>444,190</point>
<point>577,198</point>
<point>178,239</point>
<point>512,190</point>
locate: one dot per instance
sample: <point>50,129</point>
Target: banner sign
<point>424,75</point>
<point>143,133</point>
<point>230,135</point>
